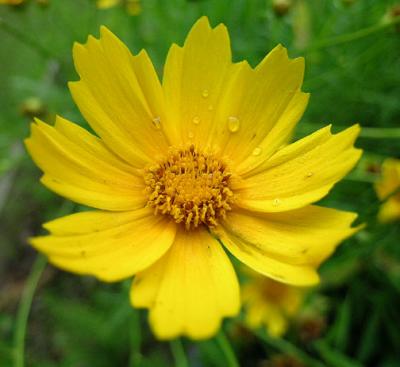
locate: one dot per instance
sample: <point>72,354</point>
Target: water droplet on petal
<point>233,124</point>
<point>157,122</point>
<point>205,93</point>
<point>276,202</point>
<point>196,120</point>
<point>210,107</point>
<point>256,151</point>
<point>190,135</point>
<point>309,174</point>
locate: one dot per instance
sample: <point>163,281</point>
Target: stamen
<point>191,187</point>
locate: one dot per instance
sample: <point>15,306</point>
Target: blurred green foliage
<point>351,320</point>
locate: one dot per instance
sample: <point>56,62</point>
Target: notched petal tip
<point>37,121</point>
<point>72,85</point>
<point>39,244</point>
<point>106,35</point>
<point>300,62</point>
<point>31,241</point>
<point>199,29</point>
<point>79,47</point>
<point>279,47</point>
<point>283,50</point>
<point>355,129</point>
<point>104,31</point>
<point>78,51</point>
<point>201,22</point>
<point>27,141</point>
<point>351,134</point>
<point>221,27</point>
<point>203,28</point>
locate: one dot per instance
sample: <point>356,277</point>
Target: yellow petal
<point>189,289</point>
<point>286,246</point>
<point>279,135</point>
<point>390,210</point>
<point>193,82</point>
<point>110,246</point>
<point>255,314</point>
<point>269,302</point>
<point>390,180</point>
<point>121,98</point>
<point>230,107</point>
<point>300,173</point>
<point>275,321</point>
<point>91,144</point>
<point>263,313</point>
<point>80,167</point>
<point>263,101</point>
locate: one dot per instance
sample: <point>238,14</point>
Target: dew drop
<point>256,151</point>
<point>210,107</point>
<point>276,202</point>
<point>196,120</point>
<point>157,122</point>
<point>233,124</point>
<point>205,93</point>
<point>190,135</point>
<point>309,174</point>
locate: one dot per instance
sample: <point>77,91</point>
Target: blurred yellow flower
<point>11,2</point>
<point>133,7</point>
<point>270,303</point>
<point>386,186</point>
<point>181,164</point>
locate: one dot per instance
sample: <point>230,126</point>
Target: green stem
<point>24,308</point>
<point>380,133</point>
<point>349,37</point>
<point>288,348</point>
<point>360,177</point>
<point>178,353</point>
<point>226,347</point>
<point>135,339</point>
<point>25,39</point>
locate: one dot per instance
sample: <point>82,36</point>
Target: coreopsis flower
<point>133,7</point>
<point>269,303</point>
<point>388,187</point>
<point>181,168</point>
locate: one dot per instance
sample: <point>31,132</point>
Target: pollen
<point>191,187</point>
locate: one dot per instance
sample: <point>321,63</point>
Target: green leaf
<point>333,357</point>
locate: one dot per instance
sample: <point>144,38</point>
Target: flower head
<point>388,188</point>
<point>180,167</point>
<point>270,303</point>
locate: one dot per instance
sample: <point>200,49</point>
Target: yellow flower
<point>388,185</point>
<point>270,303</point>
<point>133,7</point>
<point>181,165</point>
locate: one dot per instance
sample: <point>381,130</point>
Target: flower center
<point>189,186</point>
